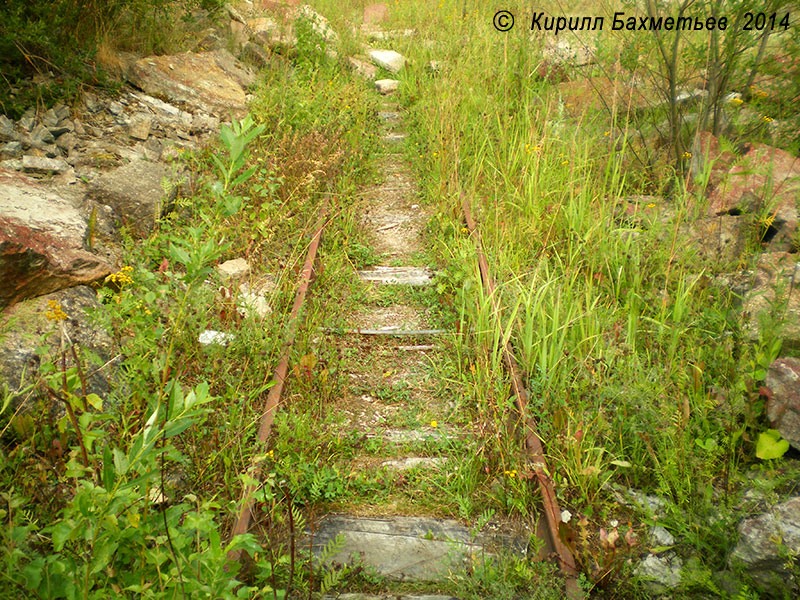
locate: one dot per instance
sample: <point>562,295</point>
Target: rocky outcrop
<point>766,542</point>
<point>196,80</point>
<point>41,242</point>
<point>765,183</point>
<point>136,193</point>
<point>783,405</point>
<point>23,330</point>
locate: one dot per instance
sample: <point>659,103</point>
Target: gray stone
<point>241,73</point>
<point>135,191</point>
<point>394,137</point>
<point>115,108</point>
<point>233,269</point>
<point>7,133</point>
<point>362,67</point>
<point>661,537</point>
<point>210,336</point>
<point>41,135</point>
<point>388,59</point>
<point>386,115</point>
<point>169,114</point>
<point>765,541</point>
<point>204,123</point>
<point>38,164</point>
<point>412,462</point>
<point>772,285</point>
<point>67,141</point>
<point>41,242</point>
<point>720,240</point>
<point>660,572</point>
<point>319,23</point>
<point>19,360</point>
<point>62,112</point>
<point>26,122</point>
<point>93,103</point>
<point>50,118</point>
<point>783,406</point>
<point>250,304</point>
<point>192,78</point>
<point>400,548</point>
<point>11,164</point>
<point>386,86</point>
<point>139,128</point>
<point>255,55</point>
<point>11,150</point>
<point>397,275</point>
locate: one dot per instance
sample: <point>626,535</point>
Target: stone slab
<point>386,86</point>
<point>388,59</point>
<point>394,137</point>
<point>397,275</point>
<point>412,462</point>
<point>399,548</point>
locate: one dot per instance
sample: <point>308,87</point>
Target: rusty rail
<point>533,444</point>
<point>242,524</point>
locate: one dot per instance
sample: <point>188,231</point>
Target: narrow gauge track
<point>533,442</point>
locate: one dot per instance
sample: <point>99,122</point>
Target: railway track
<point>401,546</point>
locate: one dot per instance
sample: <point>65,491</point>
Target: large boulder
<point>196,80</point>
<point>771,290</point>
<point>783,405</point>
<point>41,242</point>
<point>136,193</point>
<point>766,542</point>
<point>765,183</point>
<point>25,328</point>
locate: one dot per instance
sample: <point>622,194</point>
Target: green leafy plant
<point>771,445</point>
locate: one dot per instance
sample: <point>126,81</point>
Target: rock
<point>67,141</point>
<point>661,573</point>
<point>236,268</point>
<point>319,24</point>
<point>411,462</point>
<point>394,137</point>
<point>397,275</point>
<point>375,13</point>
<point>720,240</point>
<point>783,406</point>
<point>270,34</point>
<point>255,55</point>
<point>362,67</point>
<point>27,122</point>
<point>772,283</point>
<point>139,128</point>
<point>11,150</point>
<point>11,164</point>
<point>50,118</point>
<point>135,193</point>
<point>191,78</point>
<point>168,114</point>
<point>765,542</point>
<point>570,53</point>
<point>41,242</point>
<point>93,103</point>
<point>203,124</point>
<point>250,304</point>
<point>386,86</point>
<point>388,59</point>
<point>400,548</point>
<point>116,109</point>
<point>19,360</point>
<point>41,135</point>
<point>240,73</point>
<point>767,182</point>
<point>38,164</point>
<point>7,133</point>
<point>661,537</point>
<point>210,336</point>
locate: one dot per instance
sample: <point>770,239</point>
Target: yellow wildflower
<point>434,424</point>
<point>121,277</point>
<point>56,313</point>
<point>687,155</point>
<point>767,119</point>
